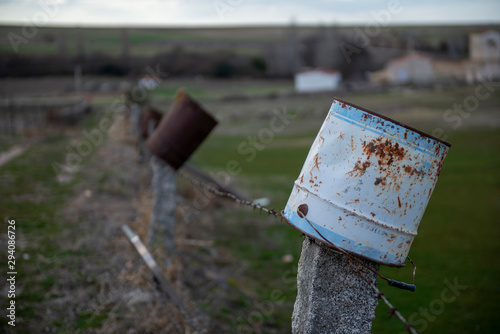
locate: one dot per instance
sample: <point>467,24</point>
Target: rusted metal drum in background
<point>149,115</point>
<point>181,131</point>
<point>365,183</point>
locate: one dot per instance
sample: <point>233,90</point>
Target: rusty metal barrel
<point>366,183</point>
<point>181,131</point>
<point>149,115</point>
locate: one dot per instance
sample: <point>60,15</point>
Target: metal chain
<point>231,196</point>
<point>349,257</point>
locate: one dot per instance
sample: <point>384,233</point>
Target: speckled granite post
<point>162,226</point>
<point>332,298</point>
<point>135,118</point>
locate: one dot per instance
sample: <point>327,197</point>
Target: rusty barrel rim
<point>393,121</point>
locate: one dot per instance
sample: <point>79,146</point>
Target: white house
<point>317,80</point>
<point>484,46</point>
<point>415,67</point>
<point>484,61</point>
<point>149,82</point>
<point>411,68</point>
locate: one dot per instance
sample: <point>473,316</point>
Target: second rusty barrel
<point>149,115</point>
<point>181,131</point>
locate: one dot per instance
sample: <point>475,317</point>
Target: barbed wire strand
<point>349,257</point>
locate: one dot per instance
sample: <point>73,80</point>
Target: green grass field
<point>457,241</point>
<point>151,41</point>
<point>143,42</point>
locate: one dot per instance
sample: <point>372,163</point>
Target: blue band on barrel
<point>336,239</point>
<point>379,125</point>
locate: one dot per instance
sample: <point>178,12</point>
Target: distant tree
<point>443,47</point>
<point>48,37</point>
<point>308,52</point>
<point>259,64</point>
<point>224,69</point>
<point>360,62</point>
<point>112,69</point>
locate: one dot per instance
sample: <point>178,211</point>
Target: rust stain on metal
<point>302,210</point>
<point>380,180</point>
<point>413,171</point>
<point>359,168</point>
<point>440,166</point>
<point>316,162</point>
<point>399,202</point>
<point>316,165</point>
<point>385,150</point>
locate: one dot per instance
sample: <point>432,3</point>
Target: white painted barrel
<point>366,183</point>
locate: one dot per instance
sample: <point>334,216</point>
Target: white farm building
<point>317,80</point>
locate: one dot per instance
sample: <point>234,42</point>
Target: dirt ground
<point>104,286</point>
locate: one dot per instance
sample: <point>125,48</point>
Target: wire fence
<point>20,116</point>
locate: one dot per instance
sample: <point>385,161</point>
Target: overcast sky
<point>245,12</point>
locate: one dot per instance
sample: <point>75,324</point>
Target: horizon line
<point>250,25</point>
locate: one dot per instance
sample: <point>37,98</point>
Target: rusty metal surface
<point>366,183</point>
<point>149,115</point>
<point>181,131</point>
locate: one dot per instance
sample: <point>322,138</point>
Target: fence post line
<point>135,117</point>
<point>171,144</point>
<point>332,298</point>
<point>10,113</point>
<point>144,153</point>
<point>162,225</point>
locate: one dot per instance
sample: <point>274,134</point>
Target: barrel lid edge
<point>392,120</point>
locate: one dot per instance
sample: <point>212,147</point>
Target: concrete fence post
<point>135,118</point>
<point>162,225</point>
<point>332,298</point>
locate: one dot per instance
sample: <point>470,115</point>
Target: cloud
<point>244,12</point>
